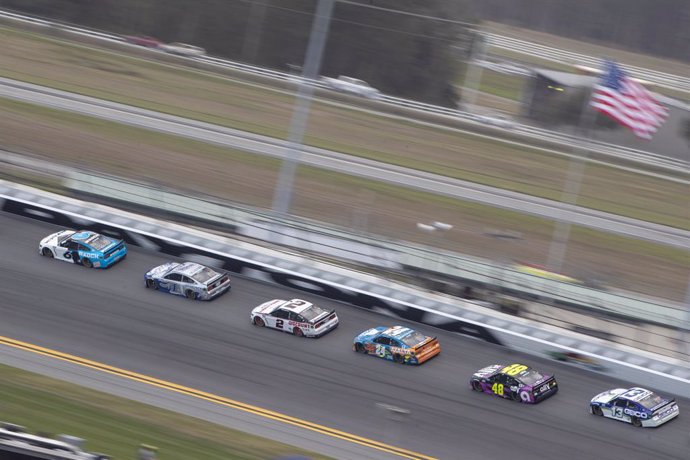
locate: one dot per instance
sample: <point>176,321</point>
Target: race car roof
<point>636,394</point>
<point>296,305</point>
<point>83,235</point>
<point>398,331</point>
<point>189,268</point>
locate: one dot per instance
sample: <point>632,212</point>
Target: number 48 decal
<point>513,369</point>
<point>497,388</point>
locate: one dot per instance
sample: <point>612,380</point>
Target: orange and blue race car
<point>398,344</point>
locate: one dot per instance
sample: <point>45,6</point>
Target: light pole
<point>438,229</point>
<point>282,197</point>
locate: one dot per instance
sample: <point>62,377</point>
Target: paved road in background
<point>108,316</point>
<point>347,164</point>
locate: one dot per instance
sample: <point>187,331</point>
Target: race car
<point>398,343</point>
<point>299,317</point>
<point>83,247</point>
<point>189,279</point>
<point>518,382</point>
<point>636,406</point>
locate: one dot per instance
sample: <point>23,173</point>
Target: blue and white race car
<point>637,406</point>
<point>83,247</point>
<point>189,279</point>
<point>398,343</point>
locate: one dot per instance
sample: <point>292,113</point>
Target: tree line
<point>416,55</point>
<point>657,27</point>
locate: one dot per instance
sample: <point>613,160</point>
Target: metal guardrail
<point>611,150</point>
<point>667,80</point>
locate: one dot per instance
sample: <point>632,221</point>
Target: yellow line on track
<point>215,399</point>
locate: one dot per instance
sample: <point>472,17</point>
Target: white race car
<point>296,316</point>
<point>637,406</point>
<point>189,279</point>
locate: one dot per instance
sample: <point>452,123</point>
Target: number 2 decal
<point>497,388</point>
<point>279,323</point>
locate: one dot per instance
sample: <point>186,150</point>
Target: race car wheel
<point>150,284</point>
<point>636,421</point>
<point>476,386</point>
<point>596,410</point>
<point>259,322</point>
<point>47,253</point>
<point>190,294</point>
<point>514,396</point>
<point>398,359</point>
<point>298,332</point>
<point>359,348</point>
<point>87,263</point>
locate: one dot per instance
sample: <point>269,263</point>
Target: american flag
<point>627,102</point>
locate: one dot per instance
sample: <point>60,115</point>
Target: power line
<point>405,13</point>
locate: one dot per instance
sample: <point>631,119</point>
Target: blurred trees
<point>659,27</point>
<point>414,55</point>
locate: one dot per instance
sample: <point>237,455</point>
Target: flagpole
<point>573,183</point>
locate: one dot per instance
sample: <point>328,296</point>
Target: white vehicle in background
<point>183,49</point>
<point>498,120</point>
<point>351,85</point>
<point>296,316</point>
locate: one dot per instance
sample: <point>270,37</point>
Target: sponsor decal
<point>250,269</point>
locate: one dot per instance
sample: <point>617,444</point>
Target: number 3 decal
<point>618,412</point>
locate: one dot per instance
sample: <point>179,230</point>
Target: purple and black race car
<point>515,381</point>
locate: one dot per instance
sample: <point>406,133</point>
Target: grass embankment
<point>118,426</point>
<point>267,110</point>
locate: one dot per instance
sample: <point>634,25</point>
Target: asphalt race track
<point>109,316</point>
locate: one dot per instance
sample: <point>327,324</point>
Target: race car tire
<point>596,410</point>
<point>191,295</point>
<point>636,421</point>
<point>47,253</point>
<point>398,359</point>
<point>298,332</point>
<point>359,348</point>
<point>87,263</point>
<point>258,322</point>
<point>515,396</point>
<point>476,386</point>
<point>151,284</point>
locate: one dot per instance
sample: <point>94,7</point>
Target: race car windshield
<point>651,401</point>
<point>530,377</point>
<point>413,339</point>
<point>312,312</point>
<point>203,275</point>
<point>99,242</point>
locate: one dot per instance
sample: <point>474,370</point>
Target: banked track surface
<point>108,316</point>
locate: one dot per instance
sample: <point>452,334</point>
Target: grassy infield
<point>117,426</point>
